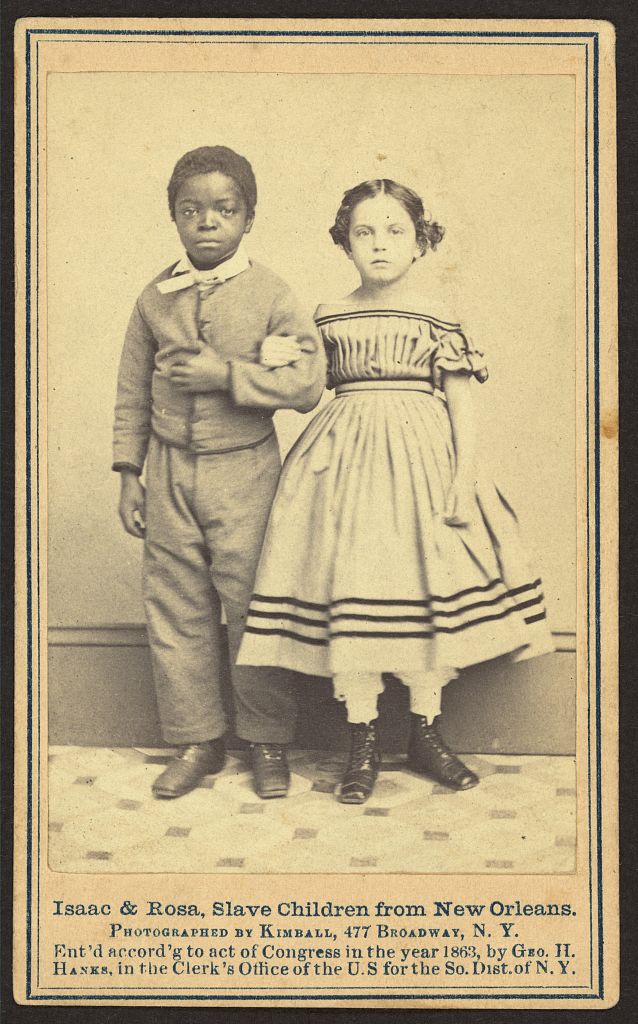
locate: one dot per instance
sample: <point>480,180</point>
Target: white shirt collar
<point>184,274</point>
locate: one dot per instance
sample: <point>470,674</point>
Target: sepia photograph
<point>312,453</point>
<point>399,603</point>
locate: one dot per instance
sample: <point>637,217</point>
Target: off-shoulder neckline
<point>346,313</point>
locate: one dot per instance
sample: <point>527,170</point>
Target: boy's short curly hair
<point>207,159</point>
<point>428,232</point>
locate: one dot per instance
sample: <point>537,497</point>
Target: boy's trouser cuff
<point>282,739</point>
<point>184,737</point>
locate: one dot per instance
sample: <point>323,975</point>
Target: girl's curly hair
<point>428,232</point>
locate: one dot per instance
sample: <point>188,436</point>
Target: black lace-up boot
<point>361,774</point>
<point>429,754</point>
<point>271,774</point>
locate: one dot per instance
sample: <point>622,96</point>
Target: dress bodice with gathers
<point>385,344</point>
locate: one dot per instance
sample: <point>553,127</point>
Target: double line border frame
<point>28,421</point>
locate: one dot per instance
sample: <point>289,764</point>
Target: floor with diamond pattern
<point>103,818</point>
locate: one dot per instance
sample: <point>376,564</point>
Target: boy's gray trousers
<point>206,516</point>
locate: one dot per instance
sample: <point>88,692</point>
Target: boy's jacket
<point>234,318</point>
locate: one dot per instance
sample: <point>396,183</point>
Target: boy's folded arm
<point>132,426</point>
<point>296,386</point>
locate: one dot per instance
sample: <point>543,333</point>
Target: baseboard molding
<point>134,635</point>
<point>100,693</point>
<point>116,635</point>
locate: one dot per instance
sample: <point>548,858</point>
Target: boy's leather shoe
<point>363,765</point>
<point>187,768</point>
<point>270,770</point>
<point>429,754</point>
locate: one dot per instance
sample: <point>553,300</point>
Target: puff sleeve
<point>455,353</point>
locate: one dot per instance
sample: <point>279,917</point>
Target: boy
<point>195,404</point>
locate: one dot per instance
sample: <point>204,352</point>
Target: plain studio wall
<point>493,158</point>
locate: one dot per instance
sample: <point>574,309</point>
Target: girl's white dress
<point>359,572</point>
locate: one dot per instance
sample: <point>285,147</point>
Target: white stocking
<point>359,691</point>
<point>425,691</point>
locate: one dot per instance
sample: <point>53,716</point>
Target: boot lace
<point>436,742</point>
<point>272,752</point>
<point>363,747</point>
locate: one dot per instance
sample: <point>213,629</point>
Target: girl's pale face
<point>382,240</point>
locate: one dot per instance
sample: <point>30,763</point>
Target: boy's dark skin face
<point>211,218</point>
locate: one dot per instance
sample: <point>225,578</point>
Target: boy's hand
<point>279,350</point>
<point>132,504</point>
<point>461,503</point>
<point>205,371</point>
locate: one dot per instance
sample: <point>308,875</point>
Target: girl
<point>385,552</point>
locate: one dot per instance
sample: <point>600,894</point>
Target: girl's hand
<point>132,504</point>
<point>461,504</point>
<point>277,350</point>
<point>203,372</point>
